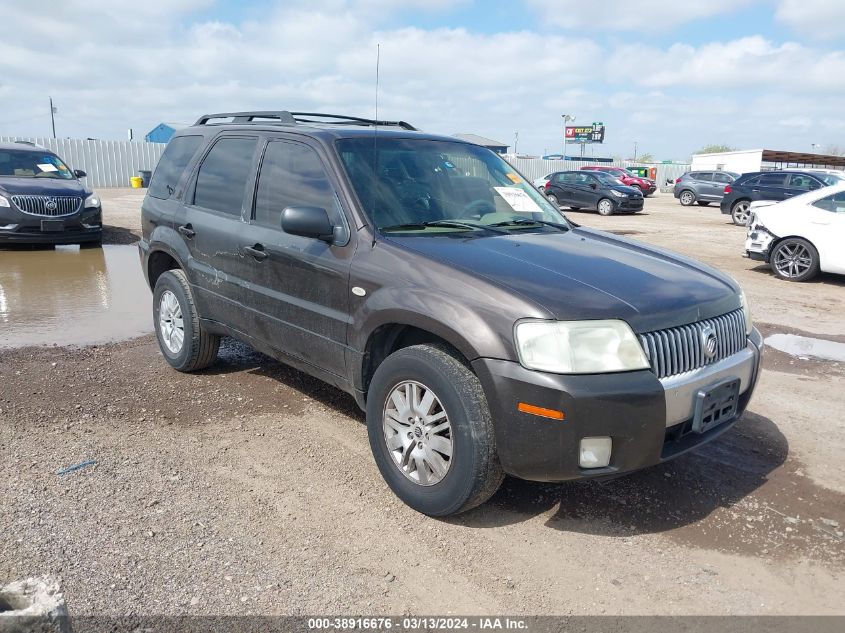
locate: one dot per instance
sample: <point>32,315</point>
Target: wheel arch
<point>160,261</point>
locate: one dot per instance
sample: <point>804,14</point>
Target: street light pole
<point>53,118</point>
<point>566,117</point>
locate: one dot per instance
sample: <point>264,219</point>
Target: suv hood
<point>631,191</point>
<point>41,187</point>
<point>586,274</point>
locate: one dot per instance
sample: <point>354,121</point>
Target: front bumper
<point>80,227</point>
<point>649,420</point>
<point>629,205</point>
<point>758,245</point>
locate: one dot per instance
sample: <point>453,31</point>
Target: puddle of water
<point>795,345</point>
<point>72,296</point>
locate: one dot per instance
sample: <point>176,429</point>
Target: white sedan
<point>541,183</point>
<point>801,236</point>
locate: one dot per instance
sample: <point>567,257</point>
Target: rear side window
<point>177,155</point>
<point>723,178</point>
<point>772,180</point>
<point>223,175</point>
<point>292,175</point>
<point>704,176</point>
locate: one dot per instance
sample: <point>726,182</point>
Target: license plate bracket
<point>52,226</point>
<point>716,405</point>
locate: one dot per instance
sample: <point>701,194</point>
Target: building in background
<point>489,143</point>
<point>162,132</point>
<point>743,161</point>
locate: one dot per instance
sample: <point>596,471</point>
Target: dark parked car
<point>770,185</point>
<point>42,200</point>
<point>702,187</point>
<point>593,190</point>
<point>481,331</point>
<point>645,185</point>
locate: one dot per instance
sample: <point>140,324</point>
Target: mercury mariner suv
<point>482,332</point>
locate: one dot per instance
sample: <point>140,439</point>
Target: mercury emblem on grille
<point>708,341</point>
<point>51,204</point>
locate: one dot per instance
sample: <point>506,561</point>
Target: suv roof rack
<point>285,117</point>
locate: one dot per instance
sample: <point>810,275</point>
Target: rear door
<point>771,186</point>
<point>211,223</point>
<point>560,185</point>
<point>298,297</point>
<point>703,185</point>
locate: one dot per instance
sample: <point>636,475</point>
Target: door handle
<point>187,230</point>
<point>257,252</point>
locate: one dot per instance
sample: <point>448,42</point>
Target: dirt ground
<point>249,488</point>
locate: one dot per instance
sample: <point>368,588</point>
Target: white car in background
<point>801,236</point>
<point>541,183</point>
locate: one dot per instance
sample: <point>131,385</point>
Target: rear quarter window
<point>172,164</point>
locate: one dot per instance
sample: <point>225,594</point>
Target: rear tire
<point>741,212</point>
<point>605,206</point>
<point>686,197</point>
<point>183,341</point>
<point>553,199</point>
<point>795,259</point>
<point>425,389</point>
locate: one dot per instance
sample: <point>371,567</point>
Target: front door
<point>298,295</point>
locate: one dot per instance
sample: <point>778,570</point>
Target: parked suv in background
<point>645,185</point>
<point>42,200</point>
<point>770,185</point>
<point>598,190</point>
<point>702,187</point>
<point>481,331</point>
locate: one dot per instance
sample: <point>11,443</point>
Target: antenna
<point>375,147</point>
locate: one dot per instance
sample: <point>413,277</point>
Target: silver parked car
<point>703,187</point>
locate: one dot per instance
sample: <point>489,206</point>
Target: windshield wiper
<point>443,223</point>
<point>527,222</point>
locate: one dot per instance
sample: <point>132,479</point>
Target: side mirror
<point>593,185</point>
<point>308,222</point>
<point>79,173</point>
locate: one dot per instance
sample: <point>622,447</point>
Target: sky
<point>670,76</point>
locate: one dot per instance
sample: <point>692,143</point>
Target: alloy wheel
<point>741,213</point>
<point>418,433</point>
<point>170,322</point>
<point>792,259</point>
<point>687,198</point>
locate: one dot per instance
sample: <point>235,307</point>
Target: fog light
<point>595,452</point>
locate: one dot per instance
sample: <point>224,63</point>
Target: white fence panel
<point>107,163</point>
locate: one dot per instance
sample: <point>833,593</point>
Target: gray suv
<point>482,332</point>
<point>703,187</point>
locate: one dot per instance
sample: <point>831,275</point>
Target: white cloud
<point>629,15</point>
<point>820,19</point>
<point>320,55</point>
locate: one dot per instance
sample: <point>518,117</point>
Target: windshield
<point>833,179</point>
<point>32,164</point>
<point>428,187</point>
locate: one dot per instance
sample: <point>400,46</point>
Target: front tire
<point>741,212</point>
<point>605,206</point>
<point>795,259</point>
<point>686,198</point>
<point>183,341</point>
<point>431,432</point>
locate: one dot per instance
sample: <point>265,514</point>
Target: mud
<point>70,296</point>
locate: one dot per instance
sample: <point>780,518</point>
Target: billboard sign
<point>585,134</point>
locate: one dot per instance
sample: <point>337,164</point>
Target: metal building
<point>163,131</point>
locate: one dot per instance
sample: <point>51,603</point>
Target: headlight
<point>92,201</point>
<point>578,347</point>
<point>618,194</point>
<point>746,312</point>
<point>4,202</point>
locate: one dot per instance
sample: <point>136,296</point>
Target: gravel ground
<point>249,488</point>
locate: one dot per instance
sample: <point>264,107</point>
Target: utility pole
<point>52,117</point>
<point>635,151</point>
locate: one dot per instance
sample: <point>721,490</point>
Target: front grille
<point>680,349</point>
<point>49,206</point>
